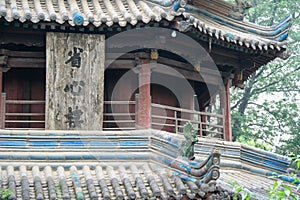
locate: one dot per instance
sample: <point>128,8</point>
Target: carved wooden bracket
<point>3,63</point>
<point>3,60</point>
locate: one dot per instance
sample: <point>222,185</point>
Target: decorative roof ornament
<point>185,25</point>
<point>238,11</point>
<point>187,146</point>
<point>179,6</point>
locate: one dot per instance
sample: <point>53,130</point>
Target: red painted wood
<point>144,105</point>
<point>227,113</point>
<point>13,89</point>
<point>38,91</point>
<point>16,83</point>
<point>162,95</point>
<point>1,108</point>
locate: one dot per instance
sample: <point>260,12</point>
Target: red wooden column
<point>227,112</point>
<point>2,111</point>
<point>144,98</point>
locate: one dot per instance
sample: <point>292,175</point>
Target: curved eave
<point>96,14</point>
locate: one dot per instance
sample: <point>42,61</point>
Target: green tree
<point>267,110</point>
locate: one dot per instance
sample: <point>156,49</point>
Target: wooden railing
<point>119,115</point>
<point>19,114</point>
<point>173,119</point>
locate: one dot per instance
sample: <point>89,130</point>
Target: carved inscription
<point>75,74</point>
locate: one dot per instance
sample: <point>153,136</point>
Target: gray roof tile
<point>207,16</point>
<point>137,180</point>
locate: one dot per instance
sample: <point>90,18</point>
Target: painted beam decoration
<point>75,78</point>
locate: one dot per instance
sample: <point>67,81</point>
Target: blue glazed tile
<point>124,156</point>
<point>105,156</point>
<point>103,144</point>
<point>88,156</point>
<point>15,143</point>
<point>257,171</point>
<point>267,154</point>
<point>169,142</point>
<point>56,157</point>
<point>183,166</point>
<point>42,144</point>
<point>233,153</point>
<point>141,156</point>
<point>205,149</point>
<point>73,157</point>
<point>133,143</point>
<point>14,136</point>
<point>275,165</point>
<point>233,165</point>
<point>164,149</point>
<point>20,157</point>
<point>73,143</point>
<point>4,156</point>
<point>251,157</point>
<point>37,157</point>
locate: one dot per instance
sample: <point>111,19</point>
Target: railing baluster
<point>18,116</point>
<point>123,123</point>
<point>3,105</point>
<point>212,127</point>
<point>176,122</point>
<point>136,111</point>
<point>200,124</point>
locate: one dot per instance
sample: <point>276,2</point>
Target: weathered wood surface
<point>74,81</point>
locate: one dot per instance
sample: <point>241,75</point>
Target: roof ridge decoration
<point>126,176</point>
<point>239,10</point>
<point>150,176</point>
<point>191,137</point>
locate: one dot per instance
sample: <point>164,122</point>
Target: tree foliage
<point>267,110</point>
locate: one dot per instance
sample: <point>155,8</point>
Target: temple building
<point>129,99</point>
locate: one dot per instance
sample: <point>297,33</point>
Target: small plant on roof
<point>5,194</point>
<point>187,146</point>
<point>282,191</point>
<point>295,163</point>
<point>239,192</point>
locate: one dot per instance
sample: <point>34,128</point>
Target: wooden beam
<point>23,54</point>
<point>190,75</point>
<point>23,38</point>
<point>26,62</point>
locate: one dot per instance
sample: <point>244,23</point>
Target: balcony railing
<point>173,119</point>
<point>20,114</point>
<point>118,115</point>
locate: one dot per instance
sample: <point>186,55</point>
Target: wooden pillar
<point>227,112</point>
<point>144,98</point>
<point>2,109</point>
<point>74,81</point>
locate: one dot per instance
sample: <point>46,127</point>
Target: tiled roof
<point>213,18</point>
<point>143,164</point>
<point>259,186</point>
<point>128,180</point>
<point>46,164</point>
